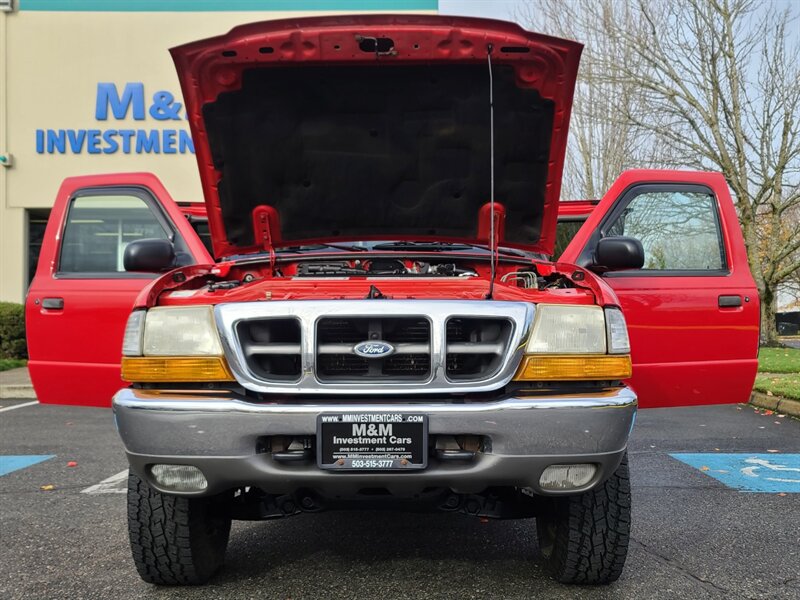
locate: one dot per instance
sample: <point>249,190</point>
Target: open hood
<point>378,127</point>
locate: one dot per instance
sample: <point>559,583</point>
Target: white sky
<point>493,9</point>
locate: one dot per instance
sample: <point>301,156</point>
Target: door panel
<point>75,352</point>
<point>80,298</point>
<point>687,346</point>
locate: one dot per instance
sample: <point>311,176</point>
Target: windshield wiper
<point>443,247</point>
<point>422,246</point>
<point>308,247</point>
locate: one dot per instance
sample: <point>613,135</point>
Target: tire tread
<point>167,536</point>
<point>593,532</point>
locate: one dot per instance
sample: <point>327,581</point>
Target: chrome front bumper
<point>218,433</point>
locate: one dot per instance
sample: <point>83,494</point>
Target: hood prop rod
<point>492,241</point>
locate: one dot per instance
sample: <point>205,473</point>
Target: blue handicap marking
<point>773,473</point>
<point>9,464</point>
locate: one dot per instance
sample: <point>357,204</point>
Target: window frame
<point>141,193</point>
<point>587,254</point>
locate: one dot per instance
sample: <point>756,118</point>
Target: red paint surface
<point>75,352</point>
<point>576,209</point>
<point>686,349</point>
<point>209,67</point>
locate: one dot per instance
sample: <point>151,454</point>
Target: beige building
<point>87,86</point>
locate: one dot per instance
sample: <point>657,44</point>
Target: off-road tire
<point>584,538</point>
<point>175,540</point>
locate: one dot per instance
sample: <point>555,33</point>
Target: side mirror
<point>149,256</point>
<point>618,253</point>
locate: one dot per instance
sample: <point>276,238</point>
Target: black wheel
<point>584,538</point>
<point>175,540</point>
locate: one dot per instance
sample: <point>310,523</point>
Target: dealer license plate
<point>372,441</point>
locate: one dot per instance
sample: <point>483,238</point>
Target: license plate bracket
<point>368,441</point>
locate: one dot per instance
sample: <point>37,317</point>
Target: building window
<point>37,222</point>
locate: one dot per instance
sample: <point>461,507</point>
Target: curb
<point>776,403</point>
<point>16,391</point>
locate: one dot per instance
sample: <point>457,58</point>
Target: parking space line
<point>112,485</point>
<point>19,406</point>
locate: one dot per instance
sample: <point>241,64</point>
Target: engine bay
<point>517,273</point>
<point>383,267</point>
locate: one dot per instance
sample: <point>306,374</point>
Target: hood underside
<point>378,127</point>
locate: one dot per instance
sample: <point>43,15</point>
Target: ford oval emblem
<point>373,349</point>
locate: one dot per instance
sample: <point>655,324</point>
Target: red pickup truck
<point>382,324</point>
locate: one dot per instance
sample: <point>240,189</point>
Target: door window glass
<point>679,230</point>
<point>100,227</point>
<point>565,231</point>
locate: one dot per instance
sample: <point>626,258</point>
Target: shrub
<point>12,331</point>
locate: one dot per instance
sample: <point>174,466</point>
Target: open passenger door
<point>693,308</point>
<point>81,296</point>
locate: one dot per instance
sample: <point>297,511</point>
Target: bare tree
<point>602,142</point>
<point>714,85</point>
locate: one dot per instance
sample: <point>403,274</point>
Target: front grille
<point>272,348</point>
<point>342,365</point>
<point>407,364</point>
<point>410,336</point>
<point>309,347</point>
<point>476,346</point>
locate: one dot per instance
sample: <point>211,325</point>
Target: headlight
<point>181,331</point>
<point>560,329</point>
<point>173,344</point>
<point>576,343</point>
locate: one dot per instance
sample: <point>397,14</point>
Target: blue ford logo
<point>373,349</point>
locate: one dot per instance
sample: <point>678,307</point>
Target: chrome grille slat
<point>399,348</point>
<point>443,346</point>
<point>475,348</point>
<point>273,349</point>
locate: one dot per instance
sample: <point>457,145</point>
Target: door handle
<point>730,301</point>
<point>53,303</point>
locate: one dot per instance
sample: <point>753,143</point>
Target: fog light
<point>181,478</point>
<point>566,477</point>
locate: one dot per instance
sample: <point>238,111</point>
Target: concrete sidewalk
<point>16,383</point>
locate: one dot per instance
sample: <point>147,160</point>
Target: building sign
<point>114,105</point>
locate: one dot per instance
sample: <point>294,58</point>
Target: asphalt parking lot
<point>695,535</point>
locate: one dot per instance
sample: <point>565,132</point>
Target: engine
<point>386,267</point>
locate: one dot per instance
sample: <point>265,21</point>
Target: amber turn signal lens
<point>175,368</point>
<point>573,368</point>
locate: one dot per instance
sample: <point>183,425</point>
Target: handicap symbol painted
<point>10,463</point>
<point>771,473</point>
<point>760,462</point>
